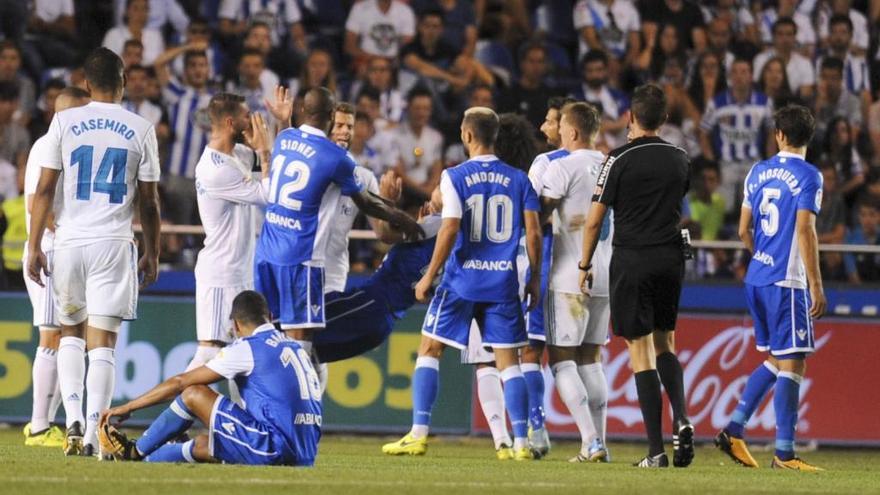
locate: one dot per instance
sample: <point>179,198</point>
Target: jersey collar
<point>266,327</point>
<point>789,154</point>
<point>312,130</point>
<point>484,158</point>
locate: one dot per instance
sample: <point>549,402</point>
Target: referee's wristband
<point>585,268</point>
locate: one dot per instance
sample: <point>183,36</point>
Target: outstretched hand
<point>282,107</point>
<point>257,137</point>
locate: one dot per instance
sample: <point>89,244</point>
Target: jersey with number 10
<point>775,190</point>
<point>301,205</point>
<point>490,197</point>
<point>102,150</point>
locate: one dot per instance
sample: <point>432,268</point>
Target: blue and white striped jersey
<point>738,130</point>
<point>189,139</point>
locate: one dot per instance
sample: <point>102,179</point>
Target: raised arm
<point>162,61</point>
<point>374,206</point>
<point>163,392</point>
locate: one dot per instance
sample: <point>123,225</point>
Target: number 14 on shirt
<point>110,178</point>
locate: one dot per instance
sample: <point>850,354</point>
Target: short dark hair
<point>796,123</point>
<point>370,93</point>
<point>649,106</point>
<point>742,60</point>
<point>557,102</point>
<point>483,123</point>
<point>103,70</point>
<point>362,116</point>
<point>224,105</point>
<point>247,52</point>
<point>785,21</point>
<point>516,144</point>
<point>132,42</point>
<point>250,307</point>
<point>594,56</point>
<point>9,45</point>
<point>138,68</point>
<point>832,63</point>
<point>55,83</point>
<point>841,19</point>
<point>319,104</point>
<point>418,91</point>
<point>74,92</point>
<point>531,46</point>
<point>584,117</point>
<point>193,54</point>
<point>433,12</point>
<point>344,107</point>
<point>9,90</point>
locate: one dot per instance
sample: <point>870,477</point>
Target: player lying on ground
<point>281,424</point>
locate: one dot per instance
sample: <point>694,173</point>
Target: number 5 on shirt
<point>769,211</point>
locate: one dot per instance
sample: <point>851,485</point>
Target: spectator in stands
<point>737,19</point>
<point>834,100</point>
<point>254,81</point>
<point>14,138</point>
<point>382,77</point>
<point>831,225</point>
<point>8,182</point>
<point>684,15</point>
<point>259,37</point>
<point>839,151</point>
<point>611,103</point>
<point>737,131</point>
<point>182,99</point>
<point>460,22</point>
<point>364,154</point>
<point>857,76</point>
<point>135,27</point>
<point>368,100</point>
<point>132,53</point>
<point>719,37</point>
<point>529,94</point>
<point>805,39</point>
<point>801,76</point>
<point>709,79</point>
<point>51,38</point>
<point>481,96</point>
<point>137,80</point>
<point>10,71</point>
<point>13,239</point>
<point>773,82</point>
<point>860,28</point>
<point>161,13</point>
<point>39,123</point>
<point>706,204</point>
<point>284,15</point>
<point>199,32</point>
<point>378,28</point>
<point>864,267</point>
<point>610,26</point>
<point>419,148</point>
<point>317,72</point>
<point>651,62</point>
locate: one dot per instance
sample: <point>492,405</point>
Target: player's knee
<point>664,342</point>
<point>50,337</point>
<point>589,354</point>
<point>431,348</point>
<point>194,395</point>
<point>201,449</point>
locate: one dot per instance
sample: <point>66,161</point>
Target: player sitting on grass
<point>280,426</point>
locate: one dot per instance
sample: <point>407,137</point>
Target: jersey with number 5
<point>490,197</point>
<point>102,151</point>
<point>775,190</point>
<point>301,205</point>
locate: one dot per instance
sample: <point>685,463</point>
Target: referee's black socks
<point>651,403</point>
<point>672,377</point>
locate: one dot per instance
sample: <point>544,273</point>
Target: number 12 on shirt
<point>298,174</point>
<point>110,178</point>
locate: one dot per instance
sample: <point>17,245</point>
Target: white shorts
<point>575,319</point>
<point>97,279</point>
<point>475,353</point>
<point>42,299</point>
<point>213,306</point>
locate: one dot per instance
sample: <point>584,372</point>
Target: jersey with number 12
<point>775,190</point>
<point>301,203</point>
<point>102,151</point>
<point>490,197</point>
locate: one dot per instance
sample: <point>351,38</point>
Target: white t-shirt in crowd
<point>799,69</point>
<point>152,40</point>
<point>380,32</point>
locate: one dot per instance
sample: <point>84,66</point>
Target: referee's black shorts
<point>645,289</point>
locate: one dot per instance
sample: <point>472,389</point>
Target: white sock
<point>45,377</point>
<point>574,395</point>
<point>204,353</point>
<point>593,377</point>
<point>491,396</point>
<point>99,389</point>
<point>71,377</point>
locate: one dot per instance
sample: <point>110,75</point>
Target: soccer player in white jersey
<point>577,324</point>
<point>227,193</point>
<point>105,156</point>
<point>47,397</point>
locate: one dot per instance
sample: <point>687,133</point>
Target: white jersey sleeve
<point>233,360</point>
<point>537,171</point>
<point>149,168</point>
<point>452,207</point>
<point>38,155</point>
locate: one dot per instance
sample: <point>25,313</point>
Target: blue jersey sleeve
<point>810,197</point>
<point>530,197</point>
<point>345,177</point>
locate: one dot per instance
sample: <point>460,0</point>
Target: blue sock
<point>171,423</point>
<point>425,385</point>
<point>516,400</point>
<point>173,452</point>
<point>785,402</point>
<point>760,382</point>
<point>535,386</point>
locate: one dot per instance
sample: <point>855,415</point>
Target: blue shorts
<point>782,320</point>
<point>357,322</point>
<point>535,317</point>
<point>237,438</point>
<point>295,293</point>
<point>449,321</point>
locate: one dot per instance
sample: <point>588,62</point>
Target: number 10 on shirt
<point>498,217</point>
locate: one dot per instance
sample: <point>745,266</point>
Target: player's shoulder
<point>38,150</point>
<point>555,154</point>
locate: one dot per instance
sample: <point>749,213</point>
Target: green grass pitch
<point>354,465</point>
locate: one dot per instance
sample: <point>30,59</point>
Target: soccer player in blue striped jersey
<point>783,283</point>
<point>532,353</point>
<point>486,206</point>
<point>289,259</point>
<point>280,424</point>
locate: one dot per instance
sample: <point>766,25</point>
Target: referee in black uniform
<point>644,182</point>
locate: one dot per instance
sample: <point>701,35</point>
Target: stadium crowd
<point>412,67</point>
